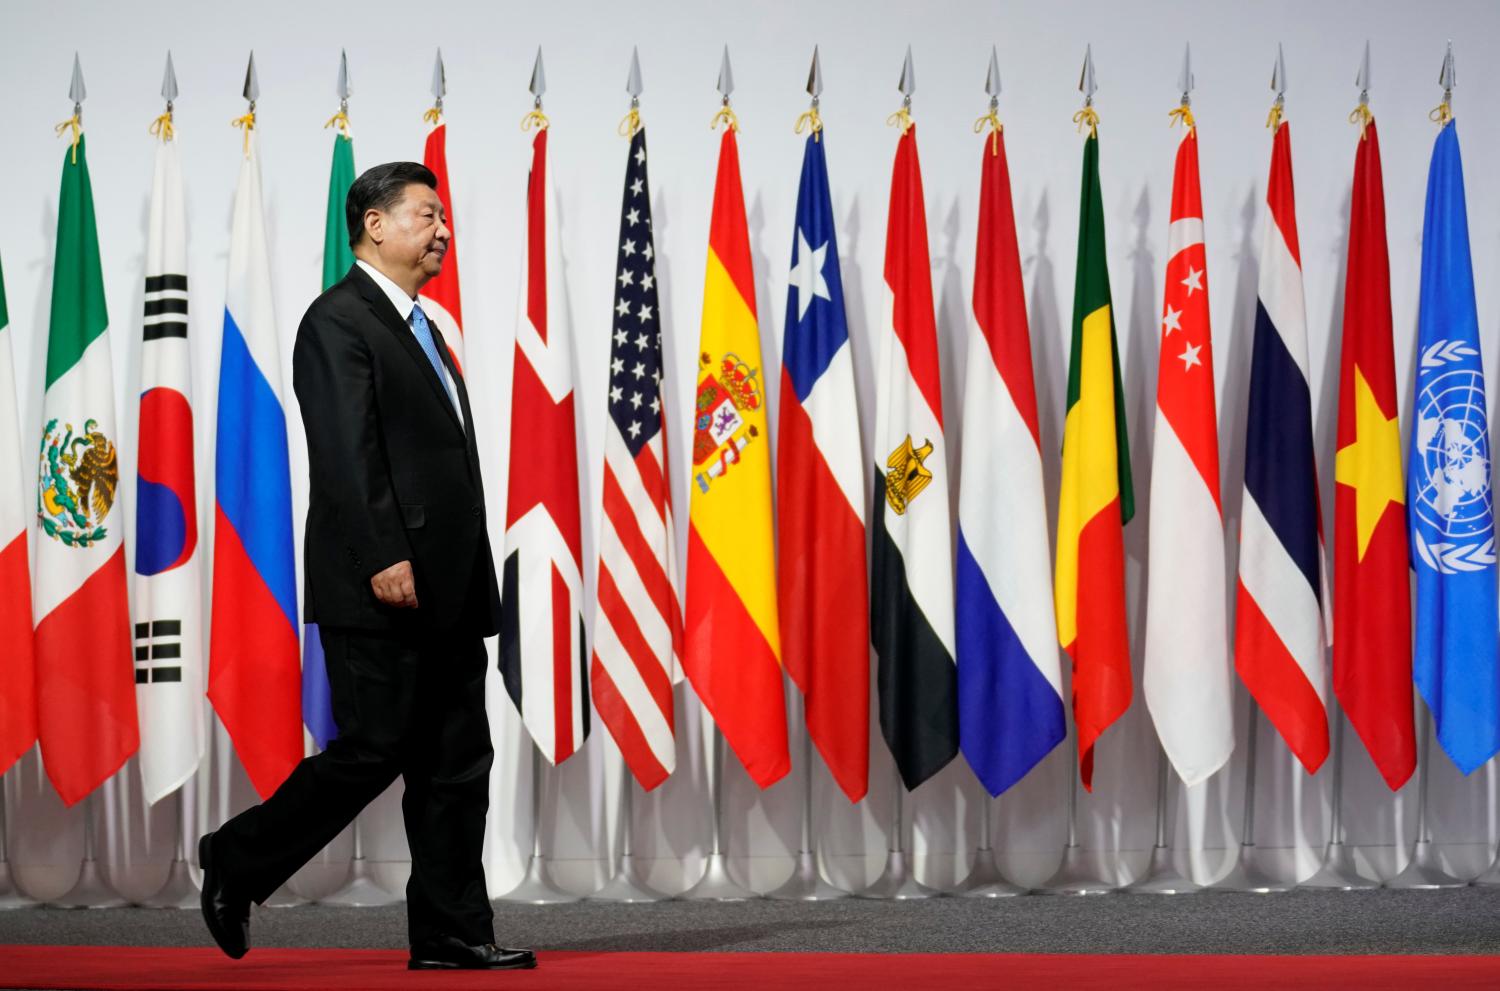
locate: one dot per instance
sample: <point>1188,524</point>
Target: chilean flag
<point>255,679</point>
<point>1279,624</point>
<point>819,494</point>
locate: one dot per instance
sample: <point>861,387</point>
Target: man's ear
<point>375,226</point>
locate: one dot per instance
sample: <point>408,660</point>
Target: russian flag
<point>1010,706</point>
<point>255,678</point>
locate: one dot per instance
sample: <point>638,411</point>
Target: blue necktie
<point>423,331</point>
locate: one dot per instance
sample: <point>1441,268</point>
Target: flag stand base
<point>90,891</point>
<point>361,890</point>
<point>1074,876</point>
<point>1246,876</point>
<point>1161,877</point>
<point>10,893</point>
<point>897,882</point>
<point>986,881</point>
<point>284,897</point>
<point>1490,877</point>
<point>1423,872</point>
<point>717,885</point>
<point>180,891</point>
<point>806,883</point>
<point>627,886</point>
<point>1338,872</point>
<point>537,887</point>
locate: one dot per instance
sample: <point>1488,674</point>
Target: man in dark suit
<point>400,579</point>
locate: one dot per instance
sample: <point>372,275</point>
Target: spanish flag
<point>1096,499</point>
<point>732,652</point>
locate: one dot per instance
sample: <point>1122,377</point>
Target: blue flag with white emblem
<point>1457,660</point>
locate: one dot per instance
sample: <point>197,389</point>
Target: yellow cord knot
<point>902,119</point>
<point>76,123</point>
<point>810,120</point>
<point>161,127</point>
<point>630,123</point>
<point>1090,117</point>
<point>535,118</point>
<point>246,122</point>
<point>341,121</point>
<point>1273,119</point>
<point>1442,114</point>
<point>991,119</point>
<point>1182,114</point>
<point>1362,116</point>
<point>725,116</point>
<point>433,116</point>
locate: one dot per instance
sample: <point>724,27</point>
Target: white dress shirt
<point>404,304</point>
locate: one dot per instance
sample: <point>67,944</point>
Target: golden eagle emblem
<point>77,480</point>
<point>908,475</point>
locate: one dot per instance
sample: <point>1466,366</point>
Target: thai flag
<point>820,497</point>
<point>255,680</point>
<point>1010,706</point>
<point>1279,626</point>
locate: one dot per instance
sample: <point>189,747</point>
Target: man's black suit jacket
<point>394,475</point>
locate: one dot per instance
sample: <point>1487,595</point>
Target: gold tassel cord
<point>535,119</point>
<point>1442,114</point>
<point>810,120</point>
<point>1087,116</point>
<point>996,129</point>
<point>630,123</point>
<point>1273,119</point>
<point>76,123</point>
<point>725,116</point>
<point>902,119</point>
<point>1183,114</point>
<point>341,121</point>
<point>247,123</point>
<point>433,116</point>
<point>1362,116</point>
<point>161,127</point>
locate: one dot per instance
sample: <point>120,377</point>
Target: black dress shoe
<point>226,912</point>
<point>448,953</point>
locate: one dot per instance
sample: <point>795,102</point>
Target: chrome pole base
<point>806,883</point>
<point>628,886</point>
<point>284,897</point>
<point>717,885</point>
<point>180,891</point>
<point>1423,872</point>
<point>1490,876</point>
<point>986,881</point>
<point>361,890</point>
<point>1338,872</point>
<point>11,895</point>
<point>1161,877</point>
<point>897,882</point>
<point>90,891</point>
<point>537,887</point>
<point>1074,876</point>
<point>1246,876</point>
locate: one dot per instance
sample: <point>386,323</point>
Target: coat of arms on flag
<point>720,432</point>
<point>80,471</point>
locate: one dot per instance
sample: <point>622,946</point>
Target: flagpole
<point>1246,874</point>
<point>716,883</point>
<point>1424,871</point>
<point>1161,876</point>
<point>806,883</point>
<point>628,885</point>
<point>538,887</point>
<point>985,880</point>
<point>179,890</point>
<point>1074,876</point>
<point>11,895</point>
<point>1338,871</point>
<point>898,881</point>
<point>91,890</point>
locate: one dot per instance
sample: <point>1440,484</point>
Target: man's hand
<point>395,586</point>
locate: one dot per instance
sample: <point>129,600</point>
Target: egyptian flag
<point>86,716</point>
<point>732,643</point>
<point>1010,706</point>
<point>1186,677</point>
<point>819,493</point>
<point>1279,623</point>
<point>255,678</point>
<point>1097,499</point>
<point>543,655</point>
<point>1371,566</point>
<point>17,658</point>
<point>911,598</point>
<point>440,298</point>
<point>168,566</point>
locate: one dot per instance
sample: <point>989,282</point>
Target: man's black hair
<point>381,188</point>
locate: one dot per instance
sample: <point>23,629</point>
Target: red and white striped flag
<point>1186,678</point>
<point>542,650</point>
<point>638,626</point>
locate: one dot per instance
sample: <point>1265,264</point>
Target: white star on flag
<point>635,428</point>
<point>649,252</point>
<point>640,155</point>
<point>627,277</point>
<point>635,188</point>
<point>641,341</point>
<point>621,337</point>
<point>634,217</point>
<point>622,309</point>
<point>647,281</point>
<point>616,394</point>
<point>617,366</point>
<point>628,247</point>
<point>1172,321</point>
<point>1194,279</point>
<point>1189,356</point>
<point>645,313</point>
<point>807,274</point>
<point>638,370</point>
<point>635,400</point>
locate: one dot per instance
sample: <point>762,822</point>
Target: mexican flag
<point>85,678</point>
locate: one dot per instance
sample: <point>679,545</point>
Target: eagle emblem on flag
<point>76,487</point>
<point>720,432</point>
<point>908,474</point>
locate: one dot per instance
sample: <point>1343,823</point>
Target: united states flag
<point>638,625</point>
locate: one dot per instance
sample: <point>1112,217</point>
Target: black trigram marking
<point>166,307</point>
<point>159,640</point>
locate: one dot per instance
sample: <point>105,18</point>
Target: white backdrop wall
<point>489,48</point>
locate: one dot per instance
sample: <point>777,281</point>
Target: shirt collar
<point>403,303</point>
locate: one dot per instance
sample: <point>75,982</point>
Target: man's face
<point>414,233</point>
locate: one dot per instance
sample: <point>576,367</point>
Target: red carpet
<point>104,967</point>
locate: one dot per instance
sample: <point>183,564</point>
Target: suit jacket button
<point>475,511</point>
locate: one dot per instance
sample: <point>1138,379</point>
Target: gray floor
<point>1461,921</point>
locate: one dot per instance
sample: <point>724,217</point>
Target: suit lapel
<point>381,306</point>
